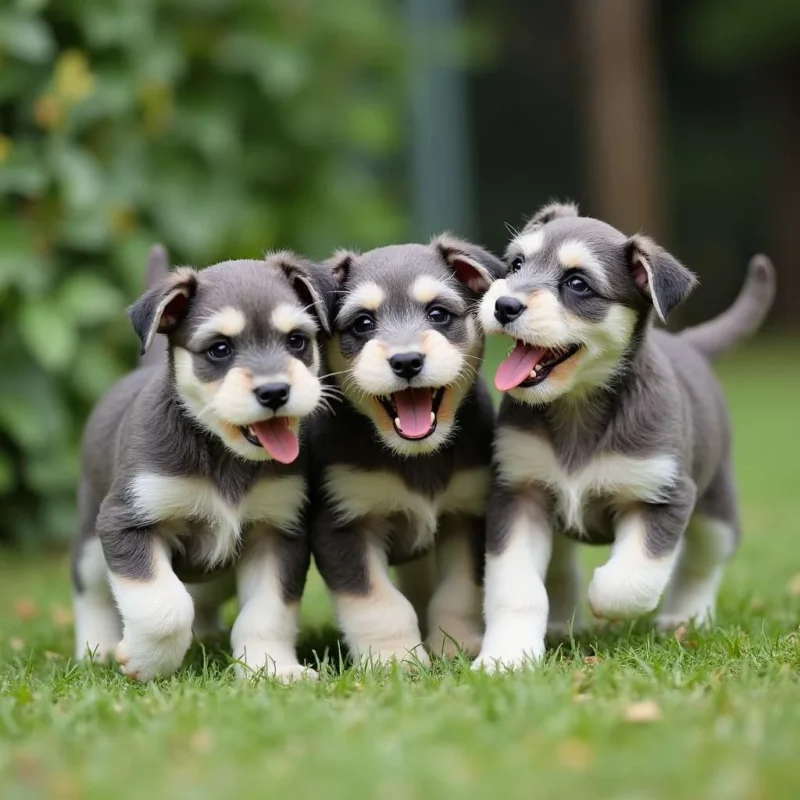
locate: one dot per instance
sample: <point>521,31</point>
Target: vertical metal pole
<point>441,178</point>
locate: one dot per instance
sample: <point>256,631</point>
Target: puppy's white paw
<point>509,660</point>
<point>143,657</point>
<point>452,634</point>
<point>616,594</point>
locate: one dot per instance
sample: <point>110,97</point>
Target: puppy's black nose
<point>507,309</point>
<point>407,365</point>
<point>272,395</point>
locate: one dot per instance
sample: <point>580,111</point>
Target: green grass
<point>729,699</point>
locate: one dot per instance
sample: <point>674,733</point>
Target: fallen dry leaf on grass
<point>591,660</point>
<point>25,609</point>
<point>61,616</point>
<point>576,755</point>
<point>794,585</point>
<point>645,711</point>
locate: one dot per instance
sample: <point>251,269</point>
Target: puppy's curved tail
<point>156,271</point>
<point>743,318</point>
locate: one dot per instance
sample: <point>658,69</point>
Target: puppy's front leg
<point>454,615</point>
<point>156,609</point>
<point>270,579</point>
<point>518,544</point>
<point>646,547</point>
<point>379,624</point>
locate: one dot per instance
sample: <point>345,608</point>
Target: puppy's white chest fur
<point>358,493</point>
<point>219,523</point>
<point>524,458</point>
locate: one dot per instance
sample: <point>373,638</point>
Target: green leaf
<point>48,334</point>
<point>8,478</point>
<point>26,38</point>
<point>87,299</point>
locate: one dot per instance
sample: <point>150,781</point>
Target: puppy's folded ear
<point>550,212</point>
<point>312,283</point>
<point>338,266</point>
<point>163,308</point>
<point>661,278</point>
<point>475,267</point>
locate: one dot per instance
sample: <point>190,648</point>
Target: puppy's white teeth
<point>433,417</point>
<point>397,424</point>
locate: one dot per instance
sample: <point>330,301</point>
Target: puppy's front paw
<point>142,657</point>
<point>616,594</point>
<point>509,660</point>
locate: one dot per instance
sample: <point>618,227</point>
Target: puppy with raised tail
<point>193,481</point>
<point>609,432</point>
<point>403,465</point>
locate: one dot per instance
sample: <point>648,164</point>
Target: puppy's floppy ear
<point>549,212</point>
<point>163,308</point>
<point>475,267</point>
<point>661,278</point>
<point>312,283</point>
<point>339,264</point>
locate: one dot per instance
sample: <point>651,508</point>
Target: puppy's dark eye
<point>439,316</point>
<point>219,351</point>
<point>363,324</point>
<point>516,264</point>
<point>578,285</point>
<point>297,342</point>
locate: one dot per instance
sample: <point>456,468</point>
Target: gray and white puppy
<point>192,471</point>
<point>403,465</point>
<point>610,432</point>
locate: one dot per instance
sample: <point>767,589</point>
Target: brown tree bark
<point>622,100</point>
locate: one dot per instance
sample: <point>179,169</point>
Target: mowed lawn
<point>620,713</point>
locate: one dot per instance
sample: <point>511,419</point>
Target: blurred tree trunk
<point>622,111</point>
<point>786,195</point>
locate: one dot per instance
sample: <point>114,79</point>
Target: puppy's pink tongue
<point>278,439</point>
<point>414,408</point>
<point>517,367</point>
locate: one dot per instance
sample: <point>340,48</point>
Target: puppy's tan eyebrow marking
<point>574,254</point>
<point>530,243</point>
<point>368,296</point>
<point>228,321</point>
<point>426,289</point>
<point>287,318</point>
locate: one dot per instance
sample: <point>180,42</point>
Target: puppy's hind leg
<point>710,540</point>
<point>270,579</point>
<point>416,580</point>
<point>563,584</point>
<point>208,598</point>
<point>379,624</point>
<point>97,624</point>
<point>454,615</point>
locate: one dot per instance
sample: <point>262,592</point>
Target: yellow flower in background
<point>6,146</point>
<point>74,80</point>
<point>156,100</point>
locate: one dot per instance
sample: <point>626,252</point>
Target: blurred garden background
<point>224,128</point>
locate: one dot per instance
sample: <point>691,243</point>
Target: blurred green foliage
<point>222,128</point>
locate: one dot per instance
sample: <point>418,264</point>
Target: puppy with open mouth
<point>193,482</point>
<point>403,465</point>
<point>610,432</point>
